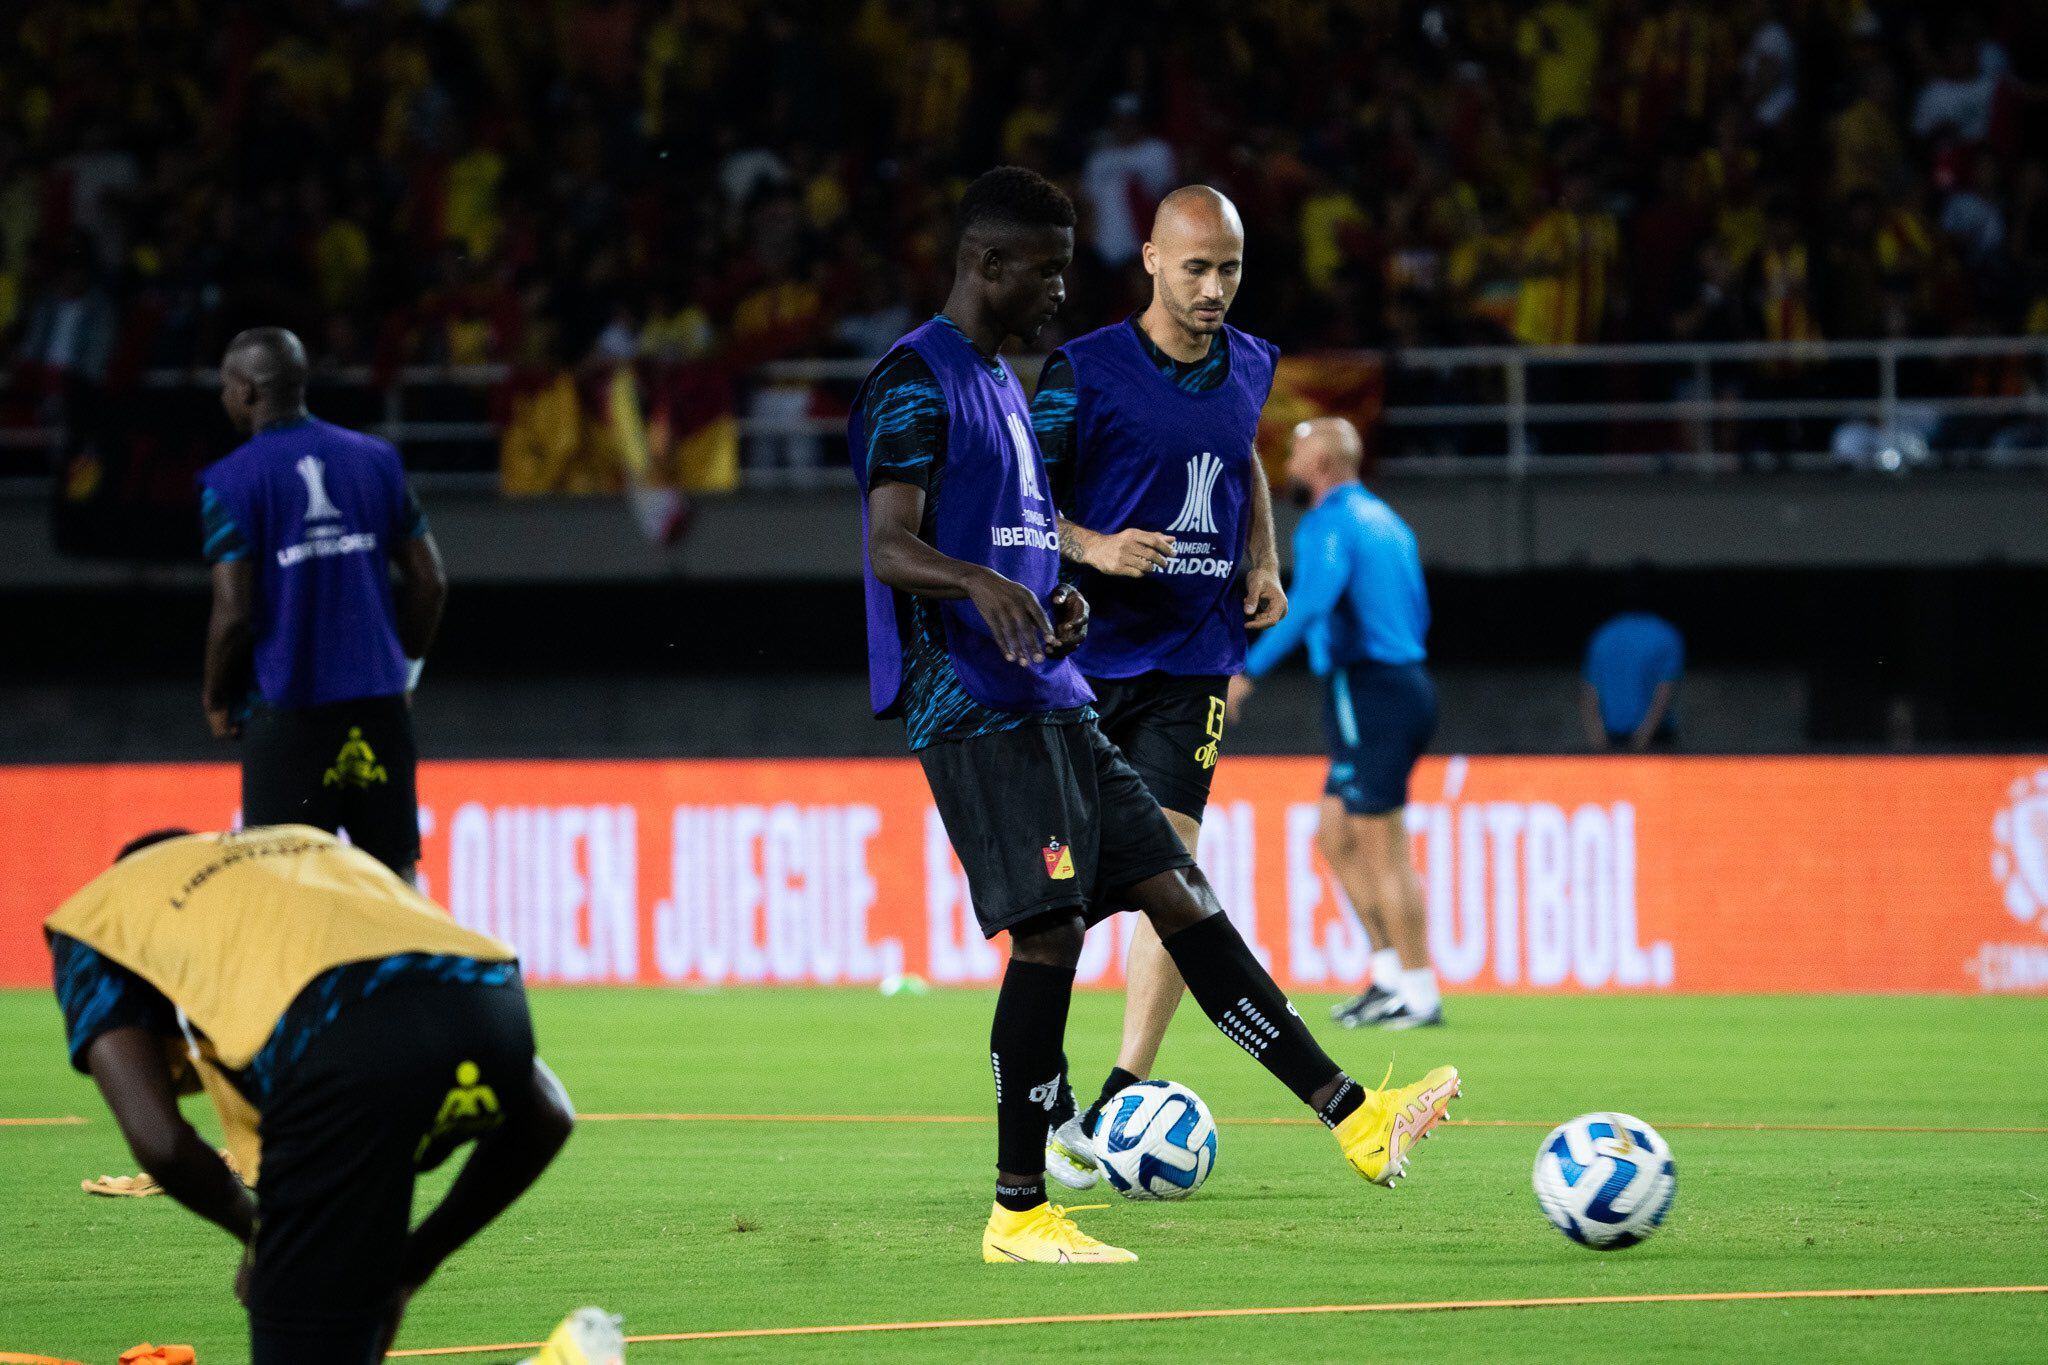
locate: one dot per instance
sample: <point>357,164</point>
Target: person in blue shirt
<point>1633,664</point>
<point>311,656</point>
<point>1358,602</point>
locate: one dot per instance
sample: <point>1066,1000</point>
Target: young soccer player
<point>305,524</point>
<point>969,635</point>
<point>1360,604</point>
<point>305,987</point>
<point>1147,427</point>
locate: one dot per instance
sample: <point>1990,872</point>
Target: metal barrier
<point>1520,410</point>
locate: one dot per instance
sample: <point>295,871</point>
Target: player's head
<point>1326,451</point>
<point>262,377</point>
<point>1016,238</point>
<point>149,840</point>
<point>1196,257</point>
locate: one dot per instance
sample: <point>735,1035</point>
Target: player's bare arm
<point>909,564</point>
<point>1265,601</point>
<point>229,641</point>
<point>1129,553</point>
<point>422,593</point>
<point>129,1067</point>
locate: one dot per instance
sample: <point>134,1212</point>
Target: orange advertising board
<point>1542,874</point>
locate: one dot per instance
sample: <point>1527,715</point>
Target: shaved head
<point>1327,451</point>
<point>1332,438</point>
<point>1195,259</point>
<point>271,358</point>
<point>1196,210</point>
<point>263,378</point>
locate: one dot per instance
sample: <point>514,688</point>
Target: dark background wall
<point>1780,660</point>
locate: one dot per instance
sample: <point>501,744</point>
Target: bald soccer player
<point>1360,605</point>
<point>1147,429</point>
<point>325,1005</point>
<point>311,654</point>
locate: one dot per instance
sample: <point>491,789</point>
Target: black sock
<point>1024,1048</point>
<point>1020,1198</point>
<point>1342,1105</point>
<point>1119,1081</point>
<point>1063,1104</point>
<point>1241,999</point>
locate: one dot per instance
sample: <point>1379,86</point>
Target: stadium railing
<point>1891,405</point>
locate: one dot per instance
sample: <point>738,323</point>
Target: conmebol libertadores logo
<point>2019,854</point>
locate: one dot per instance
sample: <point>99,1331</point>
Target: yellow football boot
<point>1047,1236</point>
<point>1377,1136</point>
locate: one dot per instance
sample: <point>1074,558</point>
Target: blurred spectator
<point>70,331</point>
<point>1568,258</point>
<point>736,181</point>
<point>1123,180</point>
<point>1956,99</point>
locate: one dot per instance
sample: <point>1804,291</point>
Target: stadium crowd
<point>544,181</point>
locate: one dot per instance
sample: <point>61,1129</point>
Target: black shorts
<point>347,765</point>
<point>1168,728</point>
<point>1378,719</point>
<point>388,1088</point>
<point>1045,818</point>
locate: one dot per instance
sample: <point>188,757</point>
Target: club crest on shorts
<point>1059,861</point>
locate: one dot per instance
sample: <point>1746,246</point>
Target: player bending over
<point>305,987</point>
<point>1147,429</point>
<point>1053,828</point>
<point>1360,603</point>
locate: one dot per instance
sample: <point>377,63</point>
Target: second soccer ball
<point>1156,1140</point>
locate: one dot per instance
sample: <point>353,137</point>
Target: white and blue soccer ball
<point>1156,1140</point>
<point>1605,1180</point>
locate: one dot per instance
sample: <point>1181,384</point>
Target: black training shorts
<point>391,1086</point>
<point>1047,817</point>
<point>347,765</point>
<point>1170,729</point>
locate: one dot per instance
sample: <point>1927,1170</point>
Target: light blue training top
<point>1357,594</point>
<point>1626,660</point>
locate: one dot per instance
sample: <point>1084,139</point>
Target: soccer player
<point>1147,429</point>
<point>304,524</point>
<point>1359,602</point>
<point>969,638</point>
<point>310,991</point>
<point>1633,665</point>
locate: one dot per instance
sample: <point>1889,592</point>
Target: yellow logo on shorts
<point>356,765</point>
<point>468,1110</point>
<point>1059,861</point>
<point>1206,755</point>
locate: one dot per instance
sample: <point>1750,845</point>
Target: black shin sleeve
<point>1240,997</point>
<point>1025,1050</point>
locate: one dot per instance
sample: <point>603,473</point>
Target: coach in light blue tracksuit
<point>1358,601</point>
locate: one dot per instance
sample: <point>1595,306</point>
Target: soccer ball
<point>1605,1180</point>
<point>1156,1140</point>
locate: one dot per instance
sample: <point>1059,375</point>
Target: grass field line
<point>1296,1310</point>
<point>73,1120</point>
<point>1542,1124</point>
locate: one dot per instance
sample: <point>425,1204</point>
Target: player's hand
<point>1129,554</point>
<point>1265,601</point>
<point>1070,620</point>
<point>1234,697</point>
<point>222,723</point>
<point>1014,618</point>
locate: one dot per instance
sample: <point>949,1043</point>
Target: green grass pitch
<point>691,1226</point>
